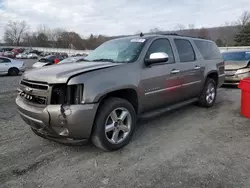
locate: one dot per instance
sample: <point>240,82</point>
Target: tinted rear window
<point>208,49</point>
<point>236,56</point>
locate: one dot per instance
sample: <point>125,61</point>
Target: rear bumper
<point>50,122</point>
<point>235,79</point>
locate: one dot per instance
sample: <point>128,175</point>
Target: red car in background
<point>17,51</point>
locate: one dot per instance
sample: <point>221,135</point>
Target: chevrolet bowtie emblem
<point>28,89</point>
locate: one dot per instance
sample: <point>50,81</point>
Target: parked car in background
<point>43,54</point>
<point>71,60</point>
<point>1,52</point>
<point>237,66</point>
<point>11,67</point>
<point>9,54</point>
<point>45,61</point>
<point>121,80</point>
<point>6,49</point>
<point>38,53</point>
<point>22,56</point>
<point>32,56</point>
<point>64,55</point>
<point>16,51</point>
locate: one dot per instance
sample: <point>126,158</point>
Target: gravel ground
<point>190,147</point>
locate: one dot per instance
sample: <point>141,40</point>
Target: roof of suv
<point>149,36</point>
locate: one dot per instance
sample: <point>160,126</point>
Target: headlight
<point>242,71</point>
<point>67,94</point>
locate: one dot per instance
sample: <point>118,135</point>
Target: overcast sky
<point>115,17</point>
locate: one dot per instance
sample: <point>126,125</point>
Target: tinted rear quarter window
<point>185,50</point>
<point>208,49</point>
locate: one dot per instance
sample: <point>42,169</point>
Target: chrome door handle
<point>197,67</point>
<point>175,71</point>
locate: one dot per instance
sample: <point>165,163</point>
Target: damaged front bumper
<point>61,123</point>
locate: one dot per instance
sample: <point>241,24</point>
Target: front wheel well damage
<point>128,94</point>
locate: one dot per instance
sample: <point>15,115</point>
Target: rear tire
<point>114,124</point>
<point>208,94</point>
<point>13,72</point>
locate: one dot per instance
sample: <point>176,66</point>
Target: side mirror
<point>158,57</point>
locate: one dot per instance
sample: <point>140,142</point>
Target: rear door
<point>160,82</point>
<point>191,68</point>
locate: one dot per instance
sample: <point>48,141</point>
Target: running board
<point>167,109</point>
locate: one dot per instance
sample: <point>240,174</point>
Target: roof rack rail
<point>182,35</point>
<point>170,34</point>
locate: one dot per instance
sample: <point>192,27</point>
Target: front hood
<point>235,65</point>
<point>61,73</point>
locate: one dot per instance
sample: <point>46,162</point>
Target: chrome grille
<point>35,85</point>
<point>33,98</point>
<point>34,92</point>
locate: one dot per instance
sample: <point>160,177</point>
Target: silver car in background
<point>10,66</point>
<point>237,66</point>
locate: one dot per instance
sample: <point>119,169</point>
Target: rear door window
<point>185,50</point>
<point>208,49</point>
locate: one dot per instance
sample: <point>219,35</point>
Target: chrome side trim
<point>170,88</point>
<point>161,90</point>
<point>191,83</point>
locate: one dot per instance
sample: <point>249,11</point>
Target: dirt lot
<point>191,147</point>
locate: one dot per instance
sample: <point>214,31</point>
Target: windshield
<point>118,51</point>
<point>236,56</point>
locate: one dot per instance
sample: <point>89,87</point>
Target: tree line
<point>18,33</point>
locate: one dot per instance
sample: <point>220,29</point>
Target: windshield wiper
<point>103,60</point>
<point>79,60</point>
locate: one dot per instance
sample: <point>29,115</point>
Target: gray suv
<point>101,97</point>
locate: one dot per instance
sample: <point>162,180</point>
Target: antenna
<point>141,35</point>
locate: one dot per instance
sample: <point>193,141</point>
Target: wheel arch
<point>129,94</point>
<point>213,75</point>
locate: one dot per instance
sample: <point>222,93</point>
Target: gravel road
<point>190,147</point>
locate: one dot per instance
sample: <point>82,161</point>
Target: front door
<point>160,83</point>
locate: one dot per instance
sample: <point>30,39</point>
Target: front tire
<point>114,124</point>
<point>13,72</point>
<point>208,94</point>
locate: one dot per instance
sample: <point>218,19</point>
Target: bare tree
<point>244,18</point>
<point>155,30</point>
<point>55,35</point>
<point>204,33</point>
<point>191,26</point>
<point>14,32</point>
<point>180,27</point>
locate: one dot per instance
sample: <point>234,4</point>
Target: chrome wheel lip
<point>119,127</point>
<point>210,93</point>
